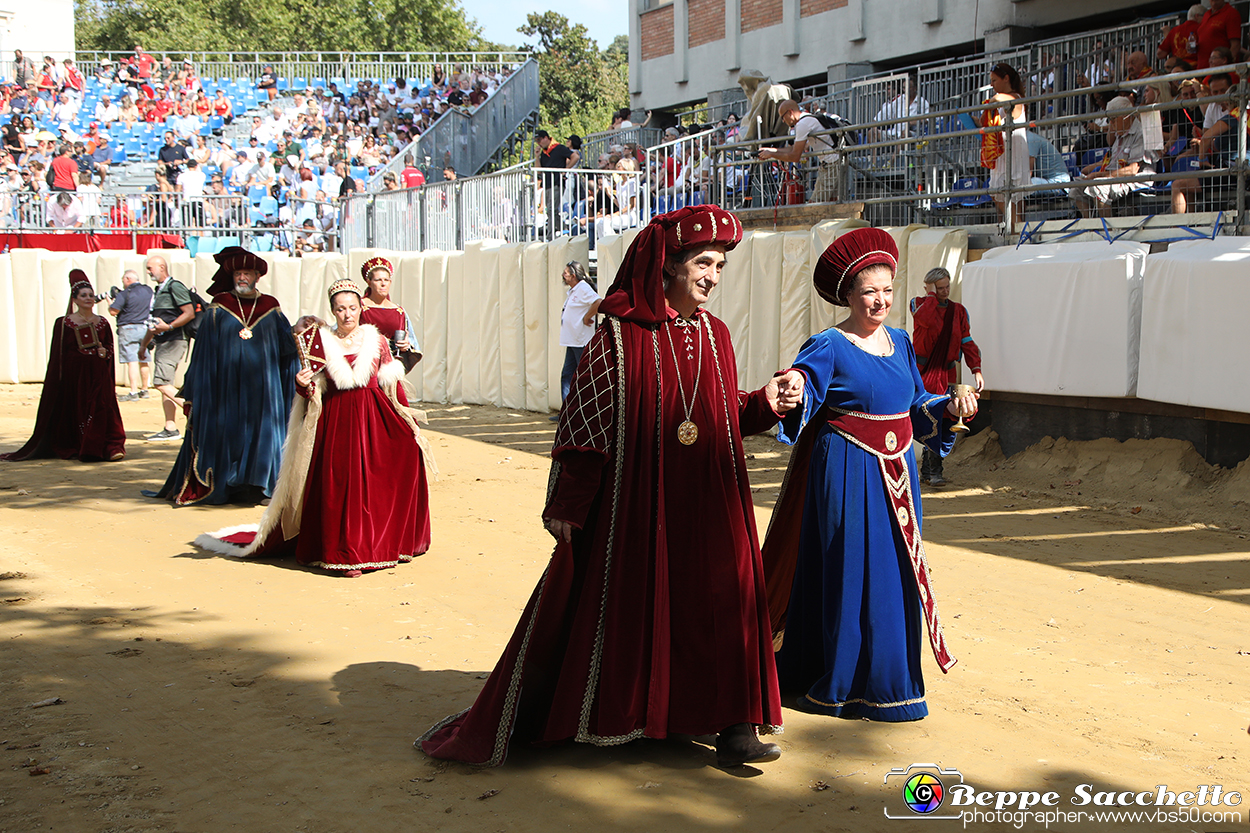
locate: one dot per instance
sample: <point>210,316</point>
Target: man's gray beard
<point>252,293</point>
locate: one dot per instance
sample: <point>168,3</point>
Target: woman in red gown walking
<point>378,309</point>
<point>78,417</point>
<point>352,496</point>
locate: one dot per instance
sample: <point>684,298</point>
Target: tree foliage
<point>284,26</point>
<point>579,86</point>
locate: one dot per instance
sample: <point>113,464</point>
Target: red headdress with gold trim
<point>344,285</point>
<point>372,263</point>
<point>849,255</point>
<point>77,280</point>
<point>637,294</point>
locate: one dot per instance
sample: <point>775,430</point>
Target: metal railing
<point>223,219</point>
<point>679,173</point>
<point>519,204</point>
<point>932,173</point>
<point>341,67</point>
<point>600,144</point>
<point>467,141</point>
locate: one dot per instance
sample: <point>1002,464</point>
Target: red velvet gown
<point>654,621</point>
<point>362,502</point>
<point>78,417</point>
<point>390,320</point>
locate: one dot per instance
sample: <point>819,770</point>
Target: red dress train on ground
<point>78,417</point>
<point>352,493</point>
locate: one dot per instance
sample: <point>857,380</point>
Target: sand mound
<point>1162,477</point>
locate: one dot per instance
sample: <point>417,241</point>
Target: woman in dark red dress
<point>78,416</point>
<point>352,494</point>
<point>392,321</point>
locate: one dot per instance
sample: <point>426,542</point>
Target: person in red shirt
<point>410,175</point>
<point>1181,41</point>
<point>64,171</point>
<point>1220,26</point>
<point>161,108</point>
<point>222,107</point>
<point>72,82</point>
<point>144,63</point>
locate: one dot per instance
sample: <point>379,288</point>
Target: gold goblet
<point>958,392</point>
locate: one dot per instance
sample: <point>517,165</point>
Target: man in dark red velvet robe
<point>651,619</point>
<point>941,336</point>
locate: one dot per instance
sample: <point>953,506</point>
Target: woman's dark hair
<point>1013,78</point>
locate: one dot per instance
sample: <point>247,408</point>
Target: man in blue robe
<point>238,390</point>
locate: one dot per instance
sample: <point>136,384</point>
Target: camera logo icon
<point>923,793</point>
<point>919,790</point>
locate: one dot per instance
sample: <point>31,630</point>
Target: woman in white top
<point>1008,87</point>
<point>577,322</point>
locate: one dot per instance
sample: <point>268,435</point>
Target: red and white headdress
<point>366,268</point>
<point>344,285</point>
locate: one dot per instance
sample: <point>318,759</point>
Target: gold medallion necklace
<point>687,432</point>
<point>246,332</point>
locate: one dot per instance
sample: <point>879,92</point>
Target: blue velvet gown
<point>853,639</point>
<point>240,392</point>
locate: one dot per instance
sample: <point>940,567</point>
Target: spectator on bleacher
<point>201,153</point>
<point>64,170</point>
<point>48,81</point>
<point>390,182</point>
<point>288,174</point>
<point>171,157</point>
<point>1007,87</point>
<point>1215,145</point>
<point>824,152</point>
<point>72,81</point>
<point>1045,161</point>
<point>23,69</point>
<point>201,106</point>
<point>411,175</point>
<point>370,155</point>
<point>191,184</point>
<point>102,157</point>
<point>89,194</point>
<point>1220,26</point>
<point>332,179</point>
<point>241,171</point>
<point>223,108</point>
<point>185,127</point>
<point>907,102</point>
<point>13,144</point>
<point>268,82</point>
<point>1138,68</point>
<point>1222,56</point>
<point>159,107</point>
<point>106,112</point>
<point>65,110</point>
<point>19,101</point>
<point>104,74</point>
<point>64,211</point>
<point>552,156</point>
<point>82,159</point>
<point>128,113</point>
<point>1181,41</point>
<point>1183,123</point>
<point>1218,85</point>
<point>1128,156</point>
<point>143,63</point>
<point>225,157</point>
<point>263,173</point>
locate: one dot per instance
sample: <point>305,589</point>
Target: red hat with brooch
<point>637,294</point>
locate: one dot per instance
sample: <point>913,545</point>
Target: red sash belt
<point>887,438</point>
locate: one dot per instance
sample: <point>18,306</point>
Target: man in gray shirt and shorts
<point>131,307</point>
<point>171,311</point>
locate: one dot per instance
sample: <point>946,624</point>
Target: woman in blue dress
<point>848,581</point>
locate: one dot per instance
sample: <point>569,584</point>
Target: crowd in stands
<point>303,152</point>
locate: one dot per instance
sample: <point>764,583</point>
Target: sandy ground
<point>1098,606</point>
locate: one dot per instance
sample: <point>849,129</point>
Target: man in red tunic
<point>1220,26</point>
<point>941,336</point>
<point>651,619</point>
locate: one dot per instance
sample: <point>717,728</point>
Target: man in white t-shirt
<point>907,103</point>
<point>88,194</point>
<point>240,172</point>
<point>191,185</point>
<point>106,111</point>
<point>64,211</point>
<point>825,154</point>
<point>577,322</point>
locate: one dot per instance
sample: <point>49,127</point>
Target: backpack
<point>201,310</point>
<point>839,141</point>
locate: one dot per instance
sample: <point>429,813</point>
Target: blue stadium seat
<point>216,124</point>
<point>359,172</point>
<point>1093,157</point>
<point>299,83</point>
<point>269,207</point>
<point>119,155</point>
<point>284,84</point>
<point>1069,159</point>
<point>318,83</point>
<point>255,194</point>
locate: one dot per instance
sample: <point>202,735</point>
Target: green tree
<point>285,26</point>
<point>579,86</point>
